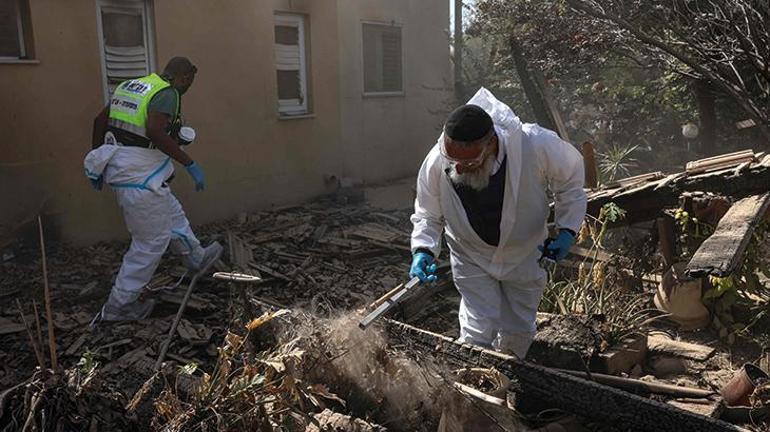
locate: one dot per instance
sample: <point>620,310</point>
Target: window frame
<point>22,31</point>
<point>397,93</point>
<point>148,21</point>
<point>299,21</point>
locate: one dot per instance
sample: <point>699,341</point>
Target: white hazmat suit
<point>501,286</point>
<point>153,217</point>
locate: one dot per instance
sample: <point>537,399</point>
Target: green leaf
<point>611,212</point>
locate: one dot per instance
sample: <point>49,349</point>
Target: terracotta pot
<point>742,385</point>
<point>680,296</point>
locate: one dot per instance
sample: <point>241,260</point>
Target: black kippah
<point>468,123</point>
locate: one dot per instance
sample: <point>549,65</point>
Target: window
<point>14,30</point>
<point>126,41</point>
<point>290,64</point>
<point>382,59</point>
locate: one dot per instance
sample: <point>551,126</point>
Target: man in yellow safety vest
<point>135,139</point>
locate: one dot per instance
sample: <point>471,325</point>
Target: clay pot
<point>742,385</point>
<point>680,296</point>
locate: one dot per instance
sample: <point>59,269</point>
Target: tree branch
<point>737,94</point>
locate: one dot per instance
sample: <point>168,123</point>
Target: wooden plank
<point>643,204</point>
<point>623,356</point>
<point>705,407</point>
<point>240,255</point>
<point>10,327</point>
<point>722,252</point>
<point>73,349</point>
<point>635,180</point>
<point>195,303</point>
<point>663,344</point>
<point>268,271</point>
<point>720,162</point>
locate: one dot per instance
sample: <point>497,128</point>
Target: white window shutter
<point>290,61</point>
<point>125,62</point>
<point>125,33</point>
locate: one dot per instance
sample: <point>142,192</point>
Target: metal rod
<point>179,313</point>
<point>388,304</point>
<point>177,318</point>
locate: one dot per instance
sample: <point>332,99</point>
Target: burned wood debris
<point>741,177</point>
<point>645,196</point>
<point>616,407</point>
<point>317,256</point>
<point>325,257</point>
<point>322,257</point>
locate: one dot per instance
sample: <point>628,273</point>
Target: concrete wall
<point>388,136</point>
<point>46,112</point>
<point>252,159</point>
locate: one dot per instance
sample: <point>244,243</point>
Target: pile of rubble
<point>322,256</point>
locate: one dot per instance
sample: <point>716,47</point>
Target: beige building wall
<point>46,110</point>
<point>387,137</point>
<point>252,159</point>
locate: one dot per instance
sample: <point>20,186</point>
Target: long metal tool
<point>182,306</point>
<point>388,303</point>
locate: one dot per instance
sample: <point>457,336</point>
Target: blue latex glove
<point>97,183</point>
<point>197,174</point>
<point>423,267</point>
<point>558,248</point>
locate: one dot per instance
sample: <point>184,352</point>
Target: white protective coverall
<point>153,216</point>
<point>501,286</point>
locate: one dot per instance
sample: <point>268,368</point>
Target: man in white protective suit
<point>135,139</point>
<point>484,183</point>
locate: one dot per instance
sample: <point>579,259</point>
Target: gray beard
<point>477,180</point>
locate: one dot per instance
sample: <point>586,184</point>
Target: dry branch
<point>48,312</point>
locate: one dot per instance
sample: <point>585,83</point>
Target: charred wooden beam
<point>721,161</point>
<point>645,202</point>
<point>722,253</point>
<point>570,393</point>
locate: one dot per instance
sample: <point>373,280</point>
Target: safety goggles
<point>467,163</point>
